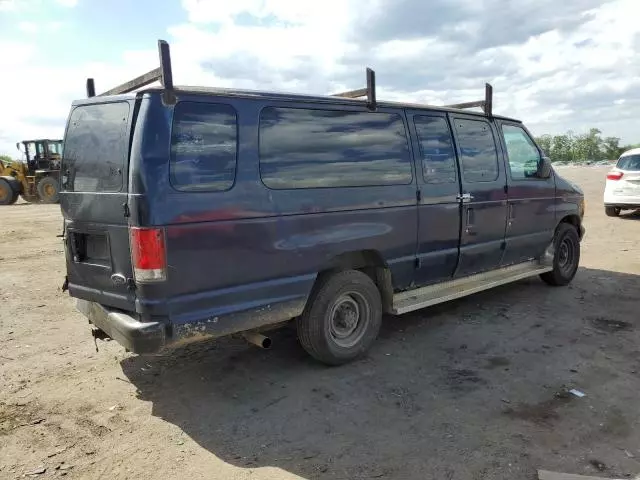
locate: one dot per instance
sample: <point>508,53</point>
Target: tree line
<point>582,148</point>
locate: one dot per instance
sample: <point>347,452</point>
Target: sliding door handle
<point>465,197</point>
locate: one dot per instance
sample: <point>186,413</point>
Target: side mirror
<point>544,167</point>
<point>18,145</point>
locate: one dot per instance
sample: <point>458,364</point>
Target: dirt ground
<point>473,389</point>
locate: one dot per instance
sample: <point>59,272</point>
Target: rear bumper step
<point>134,335</point>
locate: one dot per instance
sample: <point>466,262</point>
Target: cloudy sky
<point>557,64</point>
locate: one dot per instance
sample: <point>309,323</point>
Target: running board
<point>411,300</point>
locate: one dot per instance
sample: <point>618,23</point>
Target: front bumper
<point>132,334</point>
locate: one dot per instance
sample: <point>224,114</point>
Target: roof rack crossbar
<point>162,73</point>
<point>486,104</point>
<point>369,91</point>
<point>131,85</point>
<point>361,92</point>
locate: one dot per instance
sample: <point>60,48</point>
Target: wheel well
<point>369,262</point>
<point>356,260</point>
<point>572,220</point>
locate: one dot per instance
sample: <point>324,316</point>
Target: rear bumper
<point>134,335</point>
<point>624,201</point>
<point>627,205</point>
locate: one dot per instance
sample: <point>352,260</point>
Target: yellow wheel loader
<point>37,178</point>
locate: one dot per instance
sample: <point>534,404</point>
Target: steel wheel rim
<point>49,190</point>
<point>566,255</point>
<point>348,319</point>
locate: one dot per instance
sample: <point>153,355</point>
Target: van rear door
<point>94,198</point>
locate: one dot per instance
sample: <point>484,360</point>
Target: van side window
<point>478,155</point>
<point>436,146</point>
<point>203,147</point>
<point>522,152</point>
<point>304,148</point>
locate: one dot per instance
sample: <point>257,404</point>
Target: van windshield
<point>629,162</point>
<point>95,148</point>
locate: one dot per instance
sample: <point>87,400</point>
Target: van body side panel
<point>252,247</point>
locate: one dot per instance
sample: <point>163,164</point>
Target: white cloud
<point>67,3</point>
<point>28,27</point>
<point>572,71</point>
<point>33,28</point>
<point>7,5</point>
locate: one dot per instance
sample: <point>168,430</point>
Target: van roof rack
<point>486,104</point>
<point>369,91</point>
<point>164,74</point>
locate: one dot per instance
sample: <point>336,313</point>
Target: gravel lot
<point>473,389</point>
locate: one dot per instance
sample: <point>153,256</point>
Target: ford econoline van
<point>195,213</point>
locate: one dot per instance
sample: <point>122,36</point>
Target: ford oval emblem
<point>118,279</point>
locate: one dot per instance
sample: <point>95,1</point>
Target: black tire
<point>326,329</point>
<point>612,211</point>
<point>566,258</point>
<point>8,195</point>
<point>48,190</point>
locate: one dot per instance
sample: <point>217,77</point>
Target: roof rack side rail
<point>369,91</point>
<point>162,73</point>
<point>486,104</point>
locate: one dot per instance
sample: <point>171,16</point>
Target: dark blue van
<point>193,213</point>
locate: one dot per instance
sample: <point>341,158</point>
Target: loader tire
<point>8,194</point>
<point>48,190</point>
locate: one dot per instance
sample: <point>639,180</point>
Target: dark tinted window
<point>203,147</point>
<point>438,156</point>
<point>629,162</point>
<point>477,150</point>
<point>320,148</point>
<point>95,148</point>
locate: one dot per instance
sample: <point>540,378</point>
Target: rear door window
<point>436,147</point>
<point>203,147</point>
<point>304,148</point>
<point>629,162</point>
<point>95,148</point>
<point>478,155</point>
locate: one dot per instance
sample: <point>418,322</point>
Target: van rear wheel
<point>342,318</point>
<point>566,256</point>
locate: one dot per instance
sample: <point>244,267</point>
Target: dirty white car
<point>622,190</point>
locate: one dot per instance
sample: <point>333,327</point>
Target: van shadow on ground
<point>463,390</point>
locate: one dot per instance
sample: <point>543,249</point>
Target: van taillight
<point>614,175</point>
<point>148,254</point>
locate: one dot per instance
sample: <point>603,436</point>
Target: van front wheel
<point>566,256</point>
<point>342,318</point>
